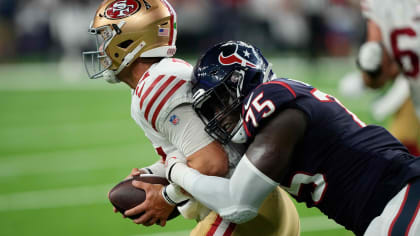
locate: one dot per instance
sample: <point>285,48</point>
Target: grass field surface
<point>65,143</point>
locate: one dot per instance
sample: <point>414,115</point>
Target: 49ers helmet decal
<point>121,9</point>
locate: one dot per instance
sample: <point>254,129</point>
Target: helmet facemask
<point>219,108</point>
<point>97,62</point>
<point>231,69</point>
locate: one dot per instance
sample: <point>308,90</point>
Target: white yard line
<point>55,198</point>
<point>65,161</point>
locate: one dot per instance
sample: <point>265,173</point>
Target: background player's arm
<point>374,61</point>
<point>257,174</point>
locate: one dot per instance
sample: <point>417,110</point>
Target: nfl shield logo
<point>174,119</point>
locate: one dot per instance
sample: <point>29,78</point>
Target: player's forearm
<point>389,71</point>
<point>236,199</point>
<point>374,61</point>
<point>210,160</point>
<point>211,191</point>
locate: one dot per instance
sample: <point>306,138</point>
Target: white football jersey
<point>399,22</point>
<point>161,106</point>
<point>163,87</point>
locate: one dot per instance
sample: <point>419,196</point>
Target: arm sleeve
<point>185,130</point>
<point>158,168</point>
<point>237,199</point>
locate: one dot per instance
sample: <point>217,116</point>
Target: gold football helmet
<point>126,30</point>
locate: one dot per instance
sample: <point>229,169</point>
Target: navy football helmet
<point>222,78</point>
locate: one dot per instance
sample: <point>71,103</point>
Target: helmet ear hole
<point>125,44</point>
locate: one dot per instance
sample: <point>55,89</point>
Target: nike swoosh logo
<point>249,101</point>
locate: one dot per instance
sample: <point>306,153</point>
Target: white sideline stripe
<point>55,198</point>
<point>43,76</point>
<point>308,224</point>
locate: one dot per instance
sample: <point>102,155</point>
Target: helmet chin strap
<point>110,76</point>
<point>129,58</point>
<point>240,83</point>
<point>267,73</point>
<point>240,134</point>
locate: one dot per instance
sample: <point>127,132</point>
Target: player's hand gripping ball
<point>125,196</point>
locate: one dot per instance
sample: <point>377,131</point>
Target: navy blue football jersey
<point>348,169</point>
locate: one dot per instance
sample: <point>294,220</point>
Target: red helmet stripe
<point>172,32</point>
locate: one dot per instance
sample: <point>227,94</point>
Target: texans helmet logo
<point>121,9</point>
<point>235,58</point>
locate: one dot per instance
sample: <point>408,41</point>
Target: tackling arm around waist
<point>237,199</point>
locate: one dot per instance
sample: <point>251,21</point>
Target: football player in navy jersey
<point>302,139</point>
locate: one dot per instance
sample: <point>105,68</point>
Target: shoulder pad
<point>173,66</point>
<point>164,86</point>
<point>265,100</point>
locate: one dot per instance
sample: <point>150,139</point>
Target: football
<point>125,196</point>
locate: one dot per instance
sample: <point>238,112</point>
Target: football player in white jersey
<point>135,43</point>
<point>393,48</point>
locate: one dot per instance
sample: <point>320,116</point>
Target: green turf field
<point>63,144</point>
